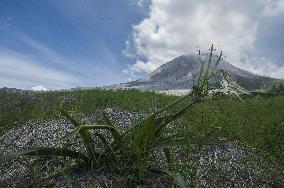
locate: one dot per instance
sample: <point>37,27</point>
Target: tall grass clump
<point>128,154</point>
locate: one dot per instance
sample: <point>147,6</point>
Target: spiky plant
<point>128,154</point>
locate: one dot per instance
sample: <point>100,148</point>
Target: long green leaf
<point>132,131</point>
<point>84,134</point>
<point>107,146</point>
<point>145,134</point>
<point>173,117</point>
<point>174,103</point>
<point>111,129</point>
<point>178,179</point>
<point>71,134</point>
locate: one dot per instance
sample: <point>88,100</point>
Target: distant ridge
<point>181,72</point>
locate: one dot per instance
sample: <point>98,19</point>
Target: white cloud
<point>173,28</point>
<point>140,66</point>
<point>264,66</point>
<point>22,71</point>
<point>39,88</point>
<point>142,3</point>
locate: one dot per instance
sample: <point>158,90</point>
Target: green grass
<point>128,153</point>
<point>17,108</point>
<point>258,121</point>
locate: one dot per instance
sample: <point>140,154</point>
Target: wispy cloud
<point>44,62</point>
<point>22,71</point>
<point>45,51</point>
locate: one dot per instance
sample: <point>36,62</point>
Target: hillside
<point>181,72</point>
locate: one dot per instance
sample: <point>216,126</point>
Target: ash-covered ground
<point>224,165</point>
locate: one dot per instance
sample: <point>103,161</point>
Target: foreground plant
<point>127,154</point>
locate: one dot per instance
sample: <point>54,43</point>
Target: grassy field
<point>17,108</point>
<point>257,122</point>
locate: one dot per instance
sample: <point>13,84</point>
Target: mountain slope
<point>181,72</point>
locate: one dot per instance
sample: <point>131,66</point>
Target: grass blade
<point>178,179</point>
<point>84,134</point>
<point>174,103</point>
<point>71,134</point>
<point>173,117</point>
<point>111,129</point>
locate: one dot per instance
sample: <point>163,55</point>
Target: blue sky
<point>86,43</point>
<point>80,41</point>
